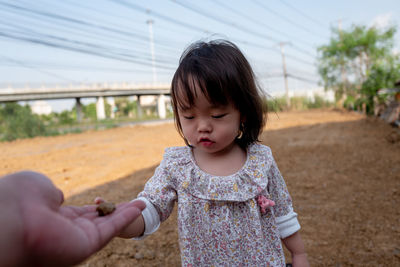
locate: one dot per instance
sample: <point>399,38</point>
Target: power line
<point>302,79</point>
<point>285,18</point>
<point>69,67</point>
<point>78,44</point>
<point>200,11</point>
<point>192,27</point>
<point>303,14</point>
<point>180,23</point>
<point>256,21</point>
<point>74,21</point>
<point>247,30</point>
<point>93,44</point>
<point>80,23</point>
<point>299,59</point>
<point>102,38</point>
<point>166,43</point>
<point>38,70</point>
<point>149,11</point>
<point>74,49</point>
<point>30,32</point>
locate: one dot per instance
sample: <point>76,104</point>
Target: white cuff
<point>288,224</point>
<point>151,219</point>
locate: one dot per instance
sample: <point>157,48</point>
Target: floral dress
<point>219,221</point>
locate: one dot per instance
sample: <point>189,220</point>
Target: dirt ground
<point>342,173</point>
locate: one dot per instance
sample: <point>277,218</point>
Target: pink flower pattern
<point>220,222</point>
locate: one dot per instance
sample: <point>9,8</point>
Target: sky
<point>49,43</point>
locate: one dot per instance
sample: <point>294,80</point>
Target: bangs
<point>187,85</point>
<point>185,91</point>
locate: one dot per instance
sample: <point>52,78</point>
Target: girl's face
<point>209,128</point>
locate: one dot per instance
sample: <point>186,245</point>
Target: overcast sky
<point>74,41</point>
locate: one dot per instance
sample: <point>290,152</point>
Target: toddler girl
<point>233,205</point>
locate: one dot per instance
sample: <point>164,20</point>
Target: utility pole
<point>153,60</point>
<point>161,98</point>
<point>342,67</point>
<point>285,75</point>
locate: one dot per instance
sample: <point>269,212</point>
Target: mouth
<point>206,142</point>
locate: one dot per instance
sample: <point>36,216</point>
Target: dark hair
<point>223,74</point>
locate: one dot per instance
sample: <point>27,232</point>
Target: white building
<point>41,108</point>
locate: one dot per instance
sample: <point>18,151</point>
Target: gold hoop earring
<point>240,132</point>
<point>240,135</point>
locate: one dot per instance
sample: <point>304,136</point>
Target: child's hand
<point>264,203</point>
<point>134,229</point>
<point>300,260</point>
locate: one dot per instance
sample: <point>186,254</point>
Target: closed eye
<point>189,117</point>
<point>219,116</point>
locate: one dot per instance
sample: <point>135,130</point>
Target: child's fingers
<point>271,203</point>
<point>98,200</point>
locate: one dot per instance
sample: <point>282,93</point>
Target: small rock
<point>150,255</point>
<point>105,208</point>
<point>139,256</point>
<point>396,252</point>
<point>393,137</point>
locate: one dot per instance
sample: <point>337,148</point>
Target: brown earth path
<point>343,176</point>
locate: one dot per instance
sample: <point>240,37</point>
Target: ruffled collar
<point>245,184</point>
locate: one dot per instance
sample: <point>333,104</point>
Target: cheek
<point>186,129</point>
<point>229,130</point>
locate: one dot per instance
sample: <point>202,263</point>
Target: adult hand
<point>35,230</point>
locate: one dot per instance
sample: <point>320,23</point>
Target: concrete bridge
<point>94,90</point>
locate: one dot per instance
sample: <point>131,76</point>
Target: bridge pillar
<point>139,108</point>
<point>111,101</point>
<point>101,114</point>
<point>78,107</point>
<point>161,107</point>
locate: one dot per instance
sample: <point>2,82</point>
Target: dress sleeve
<point>160,190</point>
<point>151,219</point>
<point>286,218</point>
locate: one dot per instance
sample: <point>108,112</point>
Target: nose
<point>204,125</point>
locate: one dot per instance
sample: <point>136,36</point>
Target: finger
<point>110,226</point>
<point>118,208</point>
<point>90,212</point>
<point>98,200</point>
<point>60,196</point>
<point>43,189</point>
<point>138,203</point>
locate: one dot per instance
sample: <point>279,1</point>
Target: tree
<point>18,121</point>
<point>66,117</point>
<point>124,106</point>
<point>89,111</point>
<point>349,63</point>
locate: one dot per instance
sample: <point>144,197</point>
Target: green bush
<point>350,102</point>
<point>65,117</point>
<point>19,122</point>
<point>89,111</point>
<point>296,103</point>
<point>275,104</point>
<point>318,102</point>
